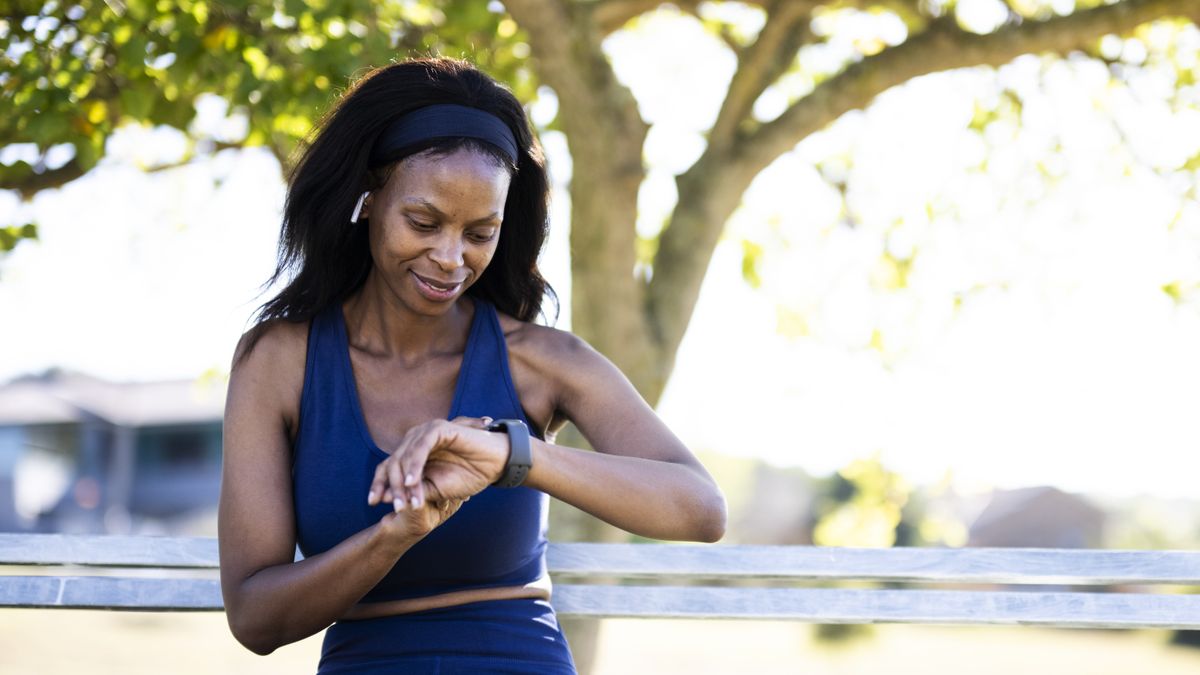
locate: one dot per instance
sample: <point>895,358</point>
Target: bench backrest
<point>1090,588</point>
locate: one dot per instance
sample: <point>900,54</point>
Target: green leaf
<point>751,257</point>
<point>11,235</point>
<point>136,103</point>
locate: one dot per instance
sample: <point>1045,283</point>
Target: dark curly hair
<point>328,259</point>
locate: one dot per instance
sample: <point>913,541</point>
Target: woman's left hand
<point>450,459</point>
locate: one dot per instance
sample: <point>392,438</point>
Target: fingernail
<point>398,504</point>
<point>410,479</point>
<point>371,497</point>
<point>416,503</point>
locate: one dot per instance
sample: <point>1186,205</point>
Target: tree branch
<point>711,189</point>
<point>760,64</point>
<point>31,184</point>
<point>945,46</point>
<point>610,15</point>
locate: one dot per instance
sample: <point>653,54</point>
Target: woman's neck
<point>379,324</point>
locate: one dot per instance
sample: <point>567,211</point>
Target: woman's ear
<point>358,207</point>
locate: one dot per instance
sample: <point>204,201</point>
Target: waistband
<point>520,632</point>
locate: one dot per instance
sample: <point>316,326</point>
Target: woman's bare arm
<point>269,599</point>
<point>641,477</point>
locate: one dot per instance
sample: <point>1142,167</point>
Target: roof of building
<point>1041,516</point>
<point>58,398</point>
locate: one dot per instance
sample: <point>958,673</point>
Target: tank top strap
<point>487,386</point>
<point>323,397</point>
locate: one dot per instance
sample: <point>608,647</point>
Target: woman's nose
<point>447,253</point>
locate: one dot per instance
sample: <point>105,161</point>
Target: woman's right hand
<point>414,523</point>
<point>440,459</point>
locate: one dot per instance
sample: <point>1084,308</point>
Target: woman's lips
<point>437,291</point>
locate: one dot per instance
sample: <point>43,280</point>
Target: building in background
<point>1038,517</point>
<point>79,454</point>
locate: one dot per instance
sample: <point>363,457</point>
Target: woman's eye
<point>481,237</point>
<point>421,225</point>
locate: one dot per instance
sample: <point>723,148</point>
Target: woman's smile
<point>436,291</point>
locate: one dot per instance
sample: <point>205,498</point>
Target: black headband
<point>441,121</point>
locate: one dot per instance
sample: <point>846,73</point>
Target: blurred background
<point>902,272</point>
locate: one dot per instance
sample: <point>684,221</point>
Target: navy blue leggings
<point>495,636</point>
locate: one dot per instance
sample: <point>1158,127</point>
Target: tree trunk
<point>638,323</point>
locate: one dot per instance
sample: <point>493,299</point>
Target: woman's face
<point>434,226</point>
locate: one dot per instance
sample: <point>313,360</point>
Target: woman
<point>361,421</point>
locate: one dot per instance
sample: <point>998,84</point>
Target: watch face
<point>502,425</point>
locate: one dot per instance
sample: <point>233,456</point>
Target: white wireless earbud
<point>358,207</point>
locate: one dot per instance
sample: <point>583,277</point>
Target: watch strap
<point>520,455</point>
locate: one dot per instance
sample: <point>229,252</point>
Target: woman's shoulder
<point>544,362</point>
<point>272,343</point>
<point>574,376</point>
<point>544,345</point>
<point>268,368</point>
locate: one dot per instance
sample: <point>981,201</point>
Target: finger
<point>396,484</point>
<point>432,492</point>
<point>403,454</point>
<point>417,446</point>
<point>416,496</point>
<point>417,452</point>
<point>473,422</point>
<point>376,492</point>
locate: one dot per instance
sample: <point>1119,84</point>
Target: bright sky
<point>1032,342</point>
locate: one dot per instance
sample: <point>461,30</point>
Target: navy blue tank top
<point>498,538</point>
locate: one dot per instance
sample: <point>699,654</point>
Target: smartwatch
<point>520,457</point>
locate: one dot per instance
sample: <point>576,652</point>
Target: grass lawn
<point>67,641</point>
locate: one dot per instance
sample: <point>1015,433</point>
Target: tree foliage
<point>73,72</point>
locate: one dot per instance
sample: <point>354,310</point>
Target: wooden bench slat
<point>819,605</point>
<point>634,561</point>
<point>108,550</point>
<point>919,565</point>
<point>827,605</point>
<point>148,594</point>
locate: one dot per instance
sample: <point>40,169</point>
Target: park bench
<point>1046,587</point>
